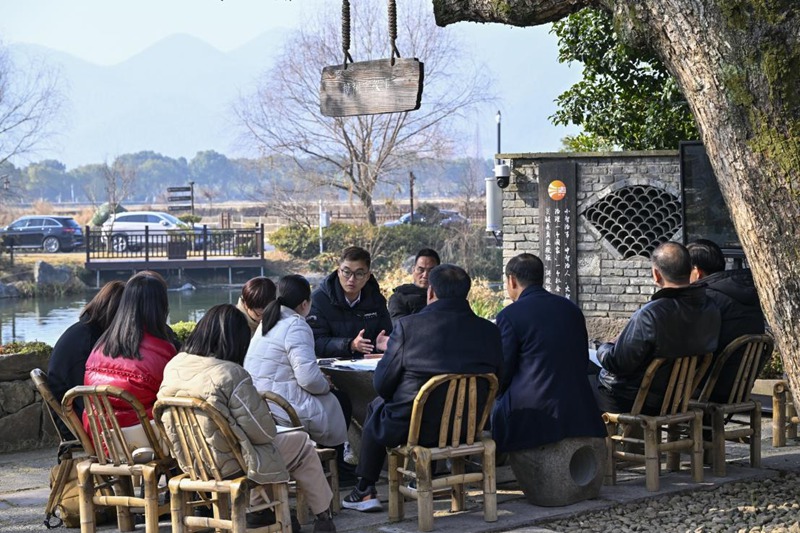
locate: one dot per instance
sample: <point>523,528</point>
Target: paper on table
<point>593,357</point>
<point>357,364</point>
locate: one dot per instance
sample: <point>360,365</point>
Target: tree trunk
<point>738,63</point>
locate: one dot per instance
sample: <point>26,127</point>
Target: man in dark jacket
<point>545,395</point>
<point>734,292</point>
<point>445,337</point>
<point>410,298</point>
<point>348,312</point>
<point>678,321</point>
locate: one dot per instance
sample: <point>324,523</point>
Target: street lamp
<point>498,131</point>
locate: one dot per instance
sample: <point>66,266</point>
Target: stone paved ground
<point>746,500</point>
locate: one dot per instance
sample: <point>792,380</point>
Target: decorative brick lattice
<point>635,220</point>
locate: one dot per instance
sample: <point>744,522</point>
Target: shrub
<point>390,246</point>
<point>183,329</point>
<point>486,301</point>
<point>773,369</point>
<point>190,219</point>
<point>32,347</point>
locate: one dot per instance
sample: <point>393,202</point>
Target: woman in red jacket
<point>134,350</point>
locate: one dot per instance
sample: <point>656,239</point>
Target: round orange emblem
<point>557,190</point>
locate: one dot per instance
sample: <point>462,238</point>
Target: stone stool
<point>561,473</point>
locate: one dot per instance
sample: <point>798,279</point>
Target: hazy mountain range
<point>176,97</point>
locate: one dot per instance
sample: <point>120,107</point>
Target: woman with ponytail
<point>281,359</point>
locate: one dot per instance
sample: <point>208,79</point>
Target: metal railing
<point>198,244</point>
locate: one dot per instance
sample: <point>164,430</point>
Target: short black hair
<point>222,333</point>
<point>356,253</point>
<point>527,268</point>
<point>450,281</point>
<point>672,260</point>
<point>428,252</point>
<point>706,256</point>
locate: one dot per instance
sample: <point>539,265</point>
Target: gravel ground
<point>747,507</point>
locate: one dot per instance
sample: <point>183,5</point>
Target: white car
<point>127,229</point>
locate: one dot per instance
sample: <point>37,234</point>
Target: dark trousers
<point>607,401</point>
<point>373,448</point>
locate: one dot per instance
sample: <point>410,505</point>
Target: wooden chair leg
<point>178,504</point>
<point>489,481</point>
<point>240,499</point>
<point>651,460</point>
<point>673,457</point>
<point>778,418</point>
<point>124,487</point>
<point>86,501</point>
<point>150,483</point>
<point>718,442</point>
<point>611,465</point>
<point>457,489</point>
<point>422,464</point>
<point>336,501</point>
<point>791,414</point>
<point>280,494</point>
<point>396,502</point>
<point>755,439</point>
<point>697,447</point>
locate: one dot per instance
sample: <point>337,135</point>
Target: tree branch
<point>513,12</point>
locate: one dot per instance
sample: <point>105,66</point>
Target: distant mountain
<point>176,96</point>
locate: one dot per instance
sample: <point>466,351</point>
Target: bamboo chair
<point>69,450</point>
<point>753,350</point>
<point>461,394</point>
<point>327,456</point>
<point>230,497</point>
<point>684,426</point>
<point>113,463</point>
<point>784,415</point>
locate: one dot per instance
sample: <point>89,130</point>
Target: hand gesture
<point>361,344</point>
<point>382,340</point>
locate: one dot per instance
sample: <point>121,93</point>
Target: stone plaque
<point>557,227</point>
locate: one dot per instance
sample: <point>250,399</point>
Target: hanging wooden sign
<point>371,87</point>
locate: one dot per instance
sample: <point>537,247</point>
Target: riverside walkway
<point>748,500</point>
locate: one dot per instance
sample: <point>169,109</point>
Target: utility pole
<point>191,185</point>
<point>411,194</point>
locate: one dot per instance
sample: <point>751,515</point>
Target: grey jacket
<point>228,388</point>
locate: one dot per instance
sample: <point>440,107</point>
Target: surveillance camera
<point>502,174</point>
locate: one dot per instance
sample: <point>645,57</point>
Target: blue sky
<point>107,32</point>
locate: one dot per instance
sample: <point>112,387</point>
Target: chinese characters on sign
<point>557,227</point>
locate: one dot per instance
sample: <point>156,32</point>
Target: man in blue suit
<point>545,394</point>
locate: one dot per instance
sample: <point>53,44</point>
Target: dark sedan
<point>49,233</point>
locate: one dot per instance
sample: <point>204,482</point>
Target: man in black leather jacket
<point>678,321</point>
<point>734,292</point>
<point>410,298</point>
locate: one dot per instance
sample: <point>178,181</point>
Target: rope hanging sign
<point>371,87</point>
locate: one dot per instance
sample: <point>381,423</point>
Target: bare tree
<point>355,154</point>
<point>737,63</point>
<point>30,101</point>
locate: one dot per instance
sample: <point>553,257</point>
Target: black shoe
<point>366,502</point>
<point>324,523</point>
<point>262,518</point>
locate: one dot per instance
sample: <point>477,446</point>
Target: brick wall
<point>642,188</point>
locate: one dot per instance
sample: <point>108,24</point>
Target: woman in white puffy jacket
<point>281,359</point>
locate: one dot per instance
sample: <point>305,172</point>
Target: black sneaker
<point>366,501</point>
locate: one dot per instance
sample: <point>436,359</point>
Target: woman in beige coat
<point>210,369</point>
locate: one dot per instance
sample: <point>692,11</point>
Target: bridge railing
<point>190,244</point>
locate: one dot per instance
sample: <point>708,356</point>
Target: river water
<point>45,319</point>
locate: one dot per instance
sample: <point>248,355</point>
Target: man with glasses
<point>348,312</point>
<point>410,298</point>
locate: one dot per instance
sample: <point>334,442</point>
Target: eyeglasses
<point>423,270</point>
<point>359,274</point>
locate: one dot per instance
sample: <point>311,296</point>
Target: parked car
<point>448,218</point>
<point>126,230</point>
<point>49,233</point>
